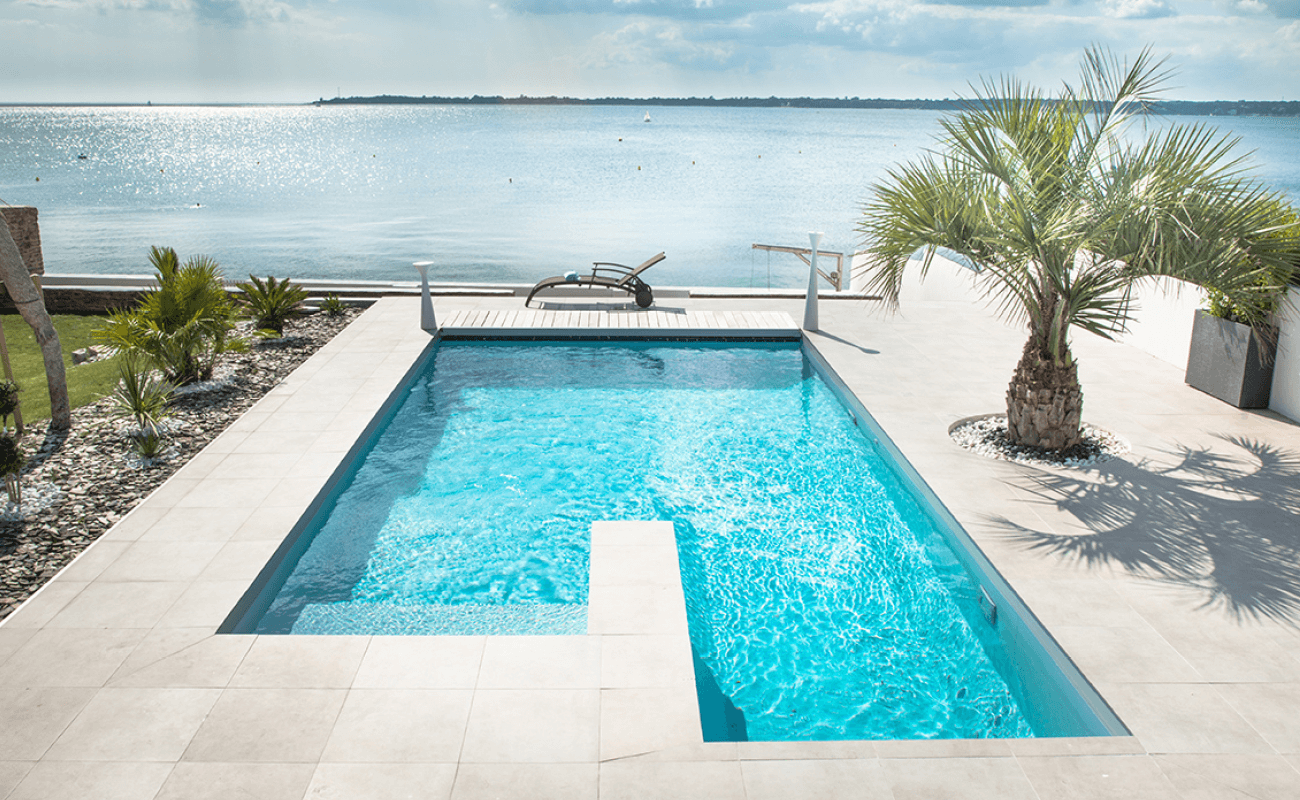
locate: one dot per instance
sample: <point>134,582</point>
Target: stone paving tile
<point>1272,709</point>
<point>181,658</point>
<point>195,781</point>
<point>421,662</point>
<point>1182,718</point>
<point>239,561</point>
<point>400,725</point>
<point>1097,778</point>
<point>333,781</point>
<point>540,662</point>
<point>642,661</point>
<point>43,606</point>
<point>301,662</point>
<point>197,524</point>
<point>1233,777</point>
<point>11,639</point>
<point>635,610</point>
<point>967,778</point>
<point>93,561</point>
<point>113,780</point>
<point>815,780</point>
<point>34,718</point>
<point>805,751</point>
<point>62,657</point>
<point>161,561</point>
<point>533,781</point>
<point>140,519</point>
<point>645,720</point>
<point>135,724</point>
<point>204,604</point>
<point>533,726</point>
<point>651,780</point>
<point>1124,655</point>
<point>267,726</point>
<point>267,524</point>
<point>11,773</point>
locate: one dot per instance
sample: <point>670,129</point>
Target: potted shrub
<point>1234,341</point>
<point>1231,360</point>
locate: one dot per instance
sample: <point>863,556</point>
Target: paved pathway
<point>1170,576</point>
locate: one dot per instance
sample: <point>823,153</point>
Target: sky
<point>222,51</point>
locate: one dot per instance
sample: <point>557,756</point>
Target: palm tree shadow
<point>1226,526</point>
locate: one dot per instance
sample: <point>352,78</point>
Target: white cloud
<point>287,49</point>
<point>1137,9</point>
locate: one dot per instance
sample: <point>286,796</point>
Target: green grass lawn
<point>86,382</point>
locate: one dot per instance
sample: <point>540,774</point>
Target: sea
<point>491,194</point>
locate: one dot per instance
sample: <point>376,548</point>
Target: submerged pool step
<point>386,619</point>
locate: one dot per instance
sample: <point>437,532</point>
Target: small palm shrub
<point>11,465</point>
<point>142,397</point>
<point>185,325</point>
<point>332,305</point>
<point>271,302</point>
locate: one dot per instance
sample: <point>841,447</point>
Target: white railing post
<point>810,304</point>
<point>427,321</point>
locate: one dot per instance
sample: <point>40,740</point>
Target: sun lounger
<point>606,275</point>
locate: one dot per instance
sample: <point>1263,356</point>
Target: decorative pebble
<point>77,485</point>
<point>988,437</point>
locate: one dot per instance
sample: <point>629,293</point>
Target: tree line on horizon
<point>1213,108</point>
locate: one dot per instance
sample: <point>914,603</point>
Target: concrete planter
<point>1229,361</point>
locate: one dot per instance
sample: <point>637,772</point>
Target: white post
<point>427,321</point>
<point>810,303</point>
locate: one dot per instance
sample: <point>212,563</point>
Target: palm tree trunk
<point>1044,400</point>
<point>28,301</point>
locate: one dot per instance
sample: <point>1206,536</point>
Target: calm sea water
<point>496,194</point>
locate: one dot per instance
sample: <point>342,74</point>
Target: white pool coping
<point>113,682</point>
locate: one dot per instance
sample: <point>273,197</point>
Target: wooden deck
<point>620,322</point>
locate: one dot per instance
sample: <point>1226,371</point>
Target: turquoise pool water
<point>823,602</point>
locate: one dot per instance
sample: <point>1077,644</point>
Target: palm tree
<point>1060,204</point>
<point>184,325</point>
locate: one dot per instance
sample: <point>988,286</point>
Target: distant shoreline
<point>1199,108</point>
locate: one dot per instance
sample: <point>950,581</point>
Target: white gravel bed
<point>987,436</point>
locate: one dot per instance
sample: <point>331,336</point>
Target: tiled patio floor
<point>1171,577</point>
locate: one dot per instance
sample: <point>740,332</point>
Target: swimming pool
<point>823,596</point>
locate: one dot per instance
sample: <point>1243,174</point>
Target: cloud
<point>1137,9</point>
<point>648,42</point>
<point>696,10</point>
<point>225,13</point>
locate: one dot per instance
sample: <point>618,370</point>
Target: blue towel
<point>571,276</point>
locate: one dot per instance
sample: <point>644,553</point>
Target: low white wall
<point>1285,397</point>
<point>947,280</point>
<point>1163,312</point>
